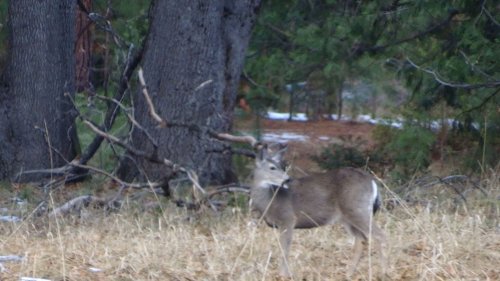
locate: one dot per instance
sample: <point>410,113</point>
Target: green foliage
<point>409,148</point>
<point>444,54</point>
<point>337,156</point>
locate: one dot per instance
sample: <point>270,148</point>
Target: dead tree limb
<point>76,204</point>
<point>152,111</point>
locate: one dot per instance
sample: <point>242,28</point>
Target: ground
<point>437,238</point>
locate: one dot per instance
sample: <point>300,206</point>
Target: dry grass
<point>425,243</point>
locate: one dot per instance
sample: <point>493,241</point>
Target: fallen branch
<point>76,204</point>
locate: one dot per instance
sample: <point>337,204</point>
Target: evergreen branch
<point>360,49</point>
<point>488,14</point>
<point>482,103</point>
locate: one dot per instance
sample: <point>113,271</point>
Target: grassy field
<point>435,239</point>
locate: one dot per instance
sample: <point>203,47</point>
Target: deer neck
<point>262,196</point>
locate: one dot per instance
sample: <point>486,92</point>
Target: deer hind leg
<point>357,250</point>
<point>380,238</point>
<point>285,242</point>
<point>363,233</point>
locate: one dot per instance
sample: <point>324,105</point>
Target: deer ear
<point>261,151</point>
<point>279,155</point>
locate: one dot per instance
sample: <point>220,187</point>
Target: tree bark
<point>83,46</point>
<point>189,43</point>
<point>36,112</point>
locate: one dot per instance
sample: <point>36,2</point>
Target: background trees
<point>439,57</point>
<point>186,45</point>
<point>432,63</point>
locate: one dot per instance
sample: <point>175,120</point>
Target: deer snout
<point>286,181</point>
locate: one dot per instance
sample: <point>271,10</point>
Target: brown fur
<point>345,195</point>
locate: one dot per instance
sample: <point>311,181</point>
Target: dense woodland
<point>71,98</point>
<point>107,105</point>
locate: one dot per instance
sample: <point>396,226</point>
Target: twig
<point>242,139</point>
<point>438,79</point>
<point>131,118</point>
<point>203,85</point>
<point>152,111</point>
<point>488,14</point>
<point>117,141</point>
<point>116,179</point>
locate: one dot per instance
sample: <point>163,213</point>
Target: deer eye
<point>272,168</point>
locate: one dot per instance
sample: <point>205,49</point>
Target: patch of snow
<point>33,279</point>
<point>324,138</point>
<point>19,201</point>
<point>285,116</point>
<point>283,137</point>
<point>95,269</point>
<point>11,258</point>
<point>10,218</point>
<point>364,118</point>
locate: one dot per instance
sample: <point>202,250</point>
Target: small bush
<point>337,156</point>
<point>408,149</point>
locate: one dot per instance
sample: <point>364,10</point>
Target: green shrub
<point>408,149</point>
<point>338,155</point>
<point>348,154</point>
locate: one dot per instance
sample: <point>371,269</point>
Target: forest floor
<point>435,238</point>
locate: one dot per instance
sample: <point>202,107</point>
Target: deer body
<point>348,196</point>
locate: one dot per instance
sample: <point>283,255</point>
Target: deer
<point>347,195</point>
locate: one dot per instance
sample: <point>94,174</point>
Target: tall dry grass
<point>425,242</point>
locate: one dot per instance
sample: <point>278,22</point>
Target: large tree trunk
<point>189,43</point>
<point>36,112</point>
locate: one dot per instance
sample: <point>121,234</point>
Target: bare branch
<point>152,110</point>
<point>202,85</point>
<point>112,111</point>
<point>116,179</point>
<point>119,142</point>
<point>488,14</point>
<point>359,50</point>
<point>131,118</point>
<point>242,139</point>
<point>437,77</point>
<point>482,103</point>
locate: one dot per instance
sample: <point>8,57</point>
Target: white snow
<point>285,116</point>
<point>9,218</point>
<point>283,137</point>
